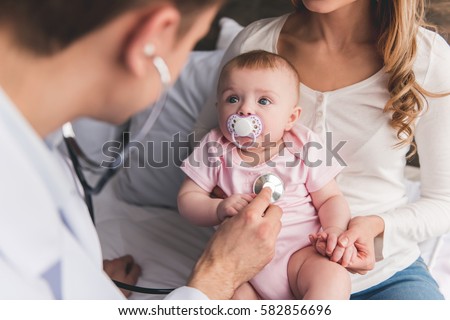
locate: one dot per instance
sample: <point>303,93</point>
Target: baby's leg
<point>314,277</point>
<point>246,292</point>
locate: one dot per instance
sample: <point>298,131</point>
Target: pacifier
<point>244,127</point>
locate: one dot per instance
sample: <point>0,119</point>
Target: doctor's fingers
<point>117,263</point>
<point>133,274</point>
<point>120,268</point>
<point>260,203</point>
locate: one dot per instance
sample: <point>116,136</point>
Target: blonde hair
<point>398,23</point>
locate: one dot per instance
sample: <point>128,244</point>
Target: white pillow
<point>147,184</point>
<point>229,29</point>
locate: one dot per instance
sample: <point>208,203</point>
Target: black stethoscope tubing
<point>89,191</point>
<point>75,152</point>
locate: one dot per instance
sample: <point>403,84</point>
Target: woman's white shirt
<point>373,181</point>
<point>49,248</point>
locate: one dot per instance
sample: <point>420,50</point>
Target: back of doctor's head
<point>47,26</point>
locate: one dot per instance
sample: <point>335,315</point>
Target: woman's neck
<point>353,23</point>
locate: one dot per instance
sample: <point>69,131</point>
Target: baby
<point>260,145</point>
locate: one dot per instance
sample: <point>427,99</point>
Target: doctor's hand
<point>240,248</point>
<point>123,269</point>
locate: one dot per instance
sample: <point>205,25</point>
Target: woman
<point>374,77</point>
<point>104,59</point>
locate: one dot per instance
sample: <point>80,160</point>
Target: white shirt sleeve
<point>430,215</point>
<point>186,293</point>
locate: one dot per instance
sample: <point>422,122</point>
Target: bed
<point>136,213</point>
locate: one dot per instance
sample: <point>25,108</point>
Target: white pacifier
<point>244,127</point>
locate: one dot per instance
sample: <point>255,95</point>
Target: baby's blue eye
<point>264,101</point>
<point>233,99</point>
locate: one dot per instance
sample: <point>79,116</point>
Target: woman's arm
<point>415,222</point>
<point>430,215</point>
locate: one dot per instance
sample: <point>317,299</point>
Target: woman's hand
<point>361,233</point>
<point>326,243</point>
<point>239,249</point>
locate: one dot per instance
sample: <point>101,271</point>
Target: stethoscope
<point>251,126</point>
<point>80,161</point>
<point>238,126</point>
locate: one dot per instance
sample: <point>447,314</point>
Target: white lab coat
<point>48,245</point>
<point>44,224</point>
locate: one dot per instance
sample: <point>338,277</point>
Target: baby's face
<point>271,94</point>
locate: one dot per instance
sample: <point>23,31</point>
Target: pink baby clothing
<point>303,168</point>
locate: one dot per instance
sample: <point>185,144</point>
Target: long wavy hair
<point>398,23</point>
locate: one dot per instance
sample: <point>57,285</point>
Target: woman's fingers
<point>364,259</point>
<point>331,244</point>
<point>337,254</point>
<point>348,256</point>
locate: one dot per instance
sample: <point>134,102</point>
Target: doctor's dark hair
<point>47,26</point>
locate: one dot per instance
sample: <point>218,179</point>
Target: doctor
<point>62,60</point>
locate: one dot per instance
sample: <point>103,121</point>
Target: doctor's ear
<point>293,118</point>
<point>157,29</point>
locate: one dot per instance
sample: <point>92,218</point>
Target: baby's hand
<point>326,243</point>
<point>233,205</point>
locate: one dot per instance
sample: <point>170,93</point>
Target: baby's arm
<point>334,215</point>
<point>195,204</point>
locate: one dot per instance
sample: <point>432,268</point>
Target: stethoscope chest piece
<point>271,181</point>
